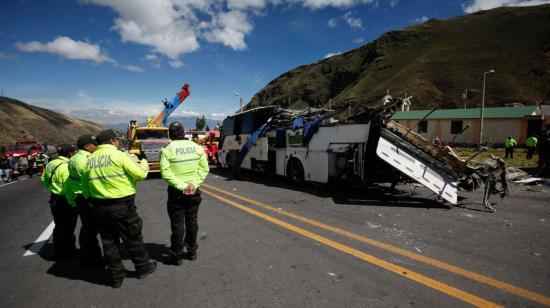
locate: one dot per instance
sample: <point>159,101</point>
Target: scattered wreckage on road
<point>368,148</point>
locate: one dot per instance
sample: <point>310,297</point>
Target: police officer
<point>65,216</point>
<point>183,164</point>
<point>509,146</point>
<point>91,255</point>
<point>531,144</point>
<point>111,176</point>
<point>40,163</point>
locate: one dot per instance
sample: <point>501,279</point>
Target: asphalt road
<point>265,243</point>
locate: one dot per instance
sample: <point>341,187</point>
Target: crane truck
<point>150,139</point>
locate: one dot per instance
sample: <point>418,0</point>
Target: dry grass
<point>519,160</point>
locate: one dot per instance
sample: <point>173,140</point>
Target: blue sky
<point>109,61</point>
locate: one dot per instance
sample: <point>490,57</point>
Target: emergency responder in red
<point>90,252</point>
<point>183,164</point>
<point>55,178</point>
<point>111,176</point>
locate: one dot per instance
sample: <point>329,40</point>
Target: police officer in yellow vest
<point>184,165</point>
<point>90,252</point>
<point>531,144</point>
<point>111,176</point>
<point>65,216</point>
<point>509,146</point>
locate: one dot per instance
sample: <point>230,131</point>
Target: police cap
<point>105,135</point>
<point>65,149</point>
<point>176,131</point>
<point>84,140</point>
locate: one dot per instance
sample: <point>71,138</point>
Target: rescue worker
<point>65,217</point>
<point>509,146</point>
<point>183,164</point>
<point>40,160</point>
<point>531,144</point>
<point>90,252</point>
<point>111,176</point>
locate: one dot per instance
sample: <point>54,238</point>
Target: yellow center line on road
<point>545,300</point>
<point>401,271</point>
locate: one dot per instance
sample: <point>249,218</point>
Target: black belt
<point>107,202</point>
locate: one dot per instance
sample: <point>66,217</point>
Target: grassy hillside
<point>19,121</point>
<point>434,61</point>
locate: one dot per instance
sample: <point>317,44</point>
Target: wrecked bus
<point>310,145</point>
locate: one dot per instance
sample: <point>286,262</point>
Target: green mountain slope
<point>20,121</point>
<point>434,61</point>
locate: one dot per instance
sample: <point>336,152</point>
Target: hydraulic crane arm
<point>162,117</point>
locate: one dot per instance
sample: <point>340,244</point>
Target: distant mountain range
<point>188,123</point>
<point>435,61</point>
<point>21,121</point>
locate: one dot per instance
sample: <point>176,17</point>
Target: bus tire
<point>295,171</point>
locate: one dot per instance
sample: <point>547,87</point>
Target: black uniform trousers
<point>118,219</point>
<point>509,152</point>
<point>90,251</point>
<point>65,218</point>
<point>183,212</point>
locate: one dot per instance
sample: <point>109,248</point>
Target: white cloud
<point>332,23</point>
<point>320,4</point>
<point>245,4</point>
<point>332,54</point>
<point>217,116</point>
<point>187,113</point>
<point>4,56</point>
<point>359,40</point>
<point>479,5</point>
<point>67,48</point>
<point>421,19</point>
<point>229,29</point>
<point>174,28</point>
<point>153,59</point>
<point>176,64</point>
<point>393,3</point>
<point>134,68</point>
<point>353,22</point>
<point>167,26</point>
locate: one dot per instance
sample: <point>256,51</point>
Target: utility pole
<point>240,101</point>
<point>482,108</point>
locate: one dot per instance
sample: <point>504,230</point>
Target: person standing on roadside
<point>40,163</point>
<point>65,217</point>
<point>509,146</point>
<point>90,252</point>
<point>23,164</point>
<point>531,144</point>
<point>32,161</point>
<point>14,166</point>
<point>184,166</point>
<point>5,169</point>
<point>111,177</point>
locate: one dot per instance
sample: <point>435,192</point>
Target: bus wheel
<point>295,171</point>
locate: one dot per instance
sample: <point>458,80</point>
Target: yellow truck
<point>152,137</point>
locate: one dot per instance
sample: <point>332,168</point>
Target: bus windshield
<point>151,134</point>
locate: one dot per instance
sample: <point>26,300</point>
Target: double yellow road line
<point>401,271</point>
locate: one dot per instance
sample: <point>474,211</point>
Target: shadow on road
<point>71,268</point>
<point>157,251</point>
<point>376,195</point>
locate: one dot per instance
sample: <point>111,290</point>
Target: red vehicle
<point>23,148</point>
